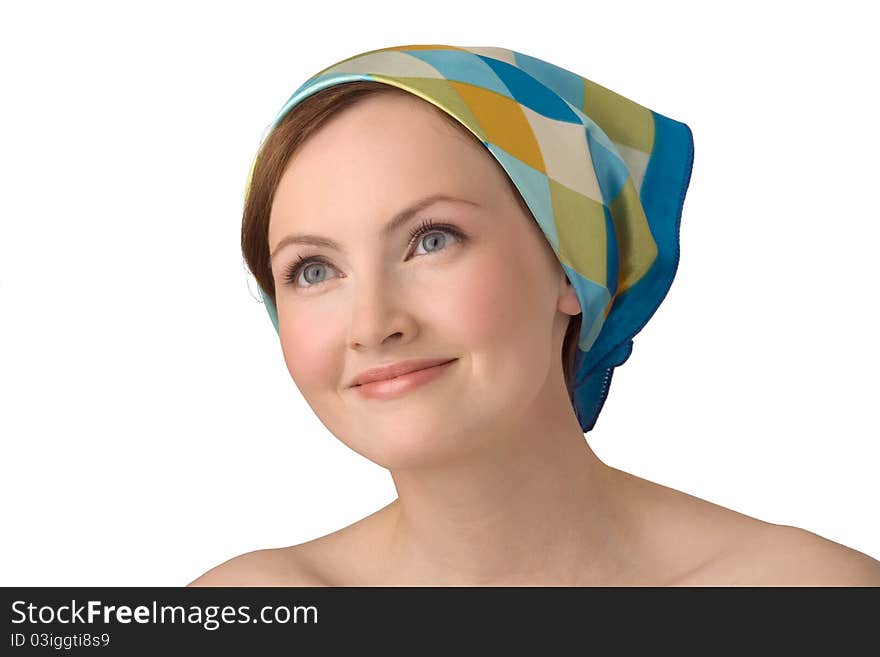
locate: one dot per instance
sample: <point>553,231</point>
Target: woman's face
<point>482,287</point>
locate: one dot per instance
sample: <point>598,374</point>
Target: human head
<point>496,298</point>
<point>604,178</point>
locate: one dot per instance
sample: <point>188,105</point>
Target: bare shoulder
<point>338,556</point>
<point>268,567</point>
<point>705,544</point>
<point>782,555</point>
<point>797,556</point>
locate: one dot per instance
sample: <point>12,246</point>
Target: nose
<point>378,313</point>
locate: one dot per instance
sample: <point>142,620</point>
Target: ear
<point>568,300</point>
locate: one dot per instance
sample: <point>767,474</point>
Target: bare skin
<point>496,483</point>
<point>684,541</point>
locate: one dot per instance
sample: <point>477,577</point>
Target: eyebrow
<point>396,221</point>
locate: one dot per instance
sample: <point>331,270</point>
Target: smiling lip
<point>397,369</point>
<point>400,385</point>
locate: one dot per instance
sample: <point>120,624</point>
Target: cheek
<point>496,312</point>
<point>491,299</point>
<point>309,346</point>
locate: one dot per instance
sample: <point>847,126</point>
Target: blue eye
<point>302,263</point>
<point>426,227</point>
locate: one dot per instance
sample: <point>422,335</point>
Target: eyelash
<point>427,226</point>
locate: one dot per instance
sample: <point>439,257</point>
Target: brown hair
<point>276,151</point>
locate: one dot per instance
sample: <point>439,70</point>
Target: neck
<point>534,505</point>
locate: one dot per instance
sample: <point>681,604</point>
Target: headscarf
<point>604,177</point>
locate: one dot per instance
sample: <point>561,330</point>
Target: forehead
<point>378,155</point>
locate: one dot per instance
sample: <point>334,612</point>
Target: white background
<point>150,429</point>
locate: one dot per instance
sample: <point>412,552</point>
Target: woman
<point>463,215</point>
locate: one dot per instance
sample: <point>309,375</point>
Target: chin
<point>406,446</point>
